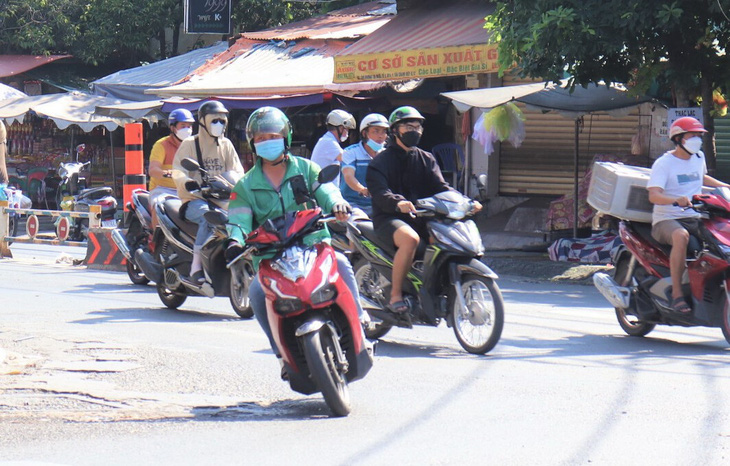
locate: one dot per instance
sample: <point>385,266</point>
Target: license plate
<point>111,223</point>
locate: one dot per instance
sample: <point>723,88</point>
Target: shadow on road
<point>135,314</point>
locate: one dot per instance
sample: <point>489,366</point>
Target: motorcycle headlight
<point>324,294</point>
<point>286,306</point>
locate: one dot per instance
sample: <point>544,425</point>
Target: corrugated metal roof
<point>448,25</point>
<point>11,65</point>
<point>270,69</point>
<point>347,23</point>
<point>130,84</point>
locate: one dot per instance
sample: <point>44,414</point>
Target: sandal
<point>399,307</point>
<point>680,305</point>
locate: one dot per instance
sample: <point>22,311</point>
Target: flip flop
<point>399,307</point>
<point>680,305</point>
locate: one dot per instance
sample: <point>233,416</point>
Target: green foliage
<point>626,41</point>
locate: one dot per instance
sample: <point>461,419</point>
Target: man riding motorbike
<point>396,178</point>
<point>266,192</point>
<point>214,153</point>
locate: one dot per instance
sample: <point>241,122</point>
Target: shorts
<point>385,229</point>
<point>662,231</point>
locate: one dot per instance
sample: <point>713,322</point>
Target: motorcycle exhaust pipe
<point>149,267</point>
<point>618,296</point>
<point>121,243</point>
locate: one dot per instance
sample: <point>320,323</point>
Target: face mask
<point>216,129</point>
<point>374,145</point>
<point>183,133</point>
<point>693,144</point>
<point>344,136</point>
<point>410,138</point>
<point>271,149</point>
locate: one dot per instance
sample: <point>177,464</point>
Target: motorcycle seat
<point>144,200</point>
<point>95,193</point>
<point>173,206</point>
<point>368,231</point>
<point>644,230</point>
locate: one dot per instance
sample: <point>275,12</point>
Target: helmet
<point>373,119</point>
<point>268,120</point>
<point>404,113</point>
<point>180,114</point>
<point>341,118</point>
<point>685,125</point>
<point>210,107</point>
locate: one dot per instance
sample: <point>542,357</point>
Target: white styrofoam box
<point>620,190</point>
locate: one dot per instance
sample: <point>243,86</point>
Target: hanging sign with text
<point>412,64</point>
<point>208,16</point>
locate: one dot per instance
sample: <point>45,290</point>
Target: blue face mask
<point>374,145</point>
<point>271,149</point>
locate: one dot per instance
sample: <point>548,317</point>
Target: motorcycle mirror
<point>190,165</point>
<point>299,188</point>
<point>328,173</point>
<point>215,217</point>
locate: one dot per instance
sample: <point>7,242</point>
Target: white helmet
<point>373,119</point>
<point>341,118</point>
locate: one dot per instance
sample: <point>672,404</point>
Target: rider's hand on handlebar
<point>192,185</point>
<point>406,207</point>
<point>342,211</point>
<point>682,201</point>
<point>476,207</point>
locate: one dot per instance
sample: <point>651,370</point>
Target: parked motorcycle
<point>72,194</point>
<point>171,253</point>
<point>137,222</point>
<point>447,281</point>
<point>640,289</point>
<point>16,200</point>
<point>312,313</point>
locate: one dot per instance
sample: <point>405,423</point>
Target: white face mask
<point>183,133</point>
<point>216,129</point>
<point>693,144</point>
<point>344,136</point>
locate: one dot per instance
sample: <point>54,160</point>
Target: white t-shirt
<point>677,177</point>
<point>326,151</point>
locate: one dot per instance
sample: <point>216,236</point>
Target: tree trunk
<point>708,141</point>
<point>161,38</point>
<point>175,40</point>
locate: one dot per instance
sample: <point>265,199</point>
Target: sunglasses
<point>218,120</point>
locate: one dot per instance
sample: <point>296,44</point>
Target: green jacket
<point>254,200</point>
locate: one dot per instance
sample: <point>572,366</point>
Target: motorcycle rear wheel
<point>170,299</point>
<point>632,325</point>
<point>477,332</point>
<point>362,270</point>
<point>725,325</point>
<point>135,274</point>
<point>320,353</point>
<point>13,222</point>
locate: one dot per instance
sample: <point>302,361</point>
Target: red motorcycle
<point>640,289</point>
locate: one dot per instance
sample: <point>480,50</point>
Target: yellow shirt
<point>164,152</point>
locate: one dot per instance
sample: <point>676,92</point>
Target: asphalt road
<point>95,371</point>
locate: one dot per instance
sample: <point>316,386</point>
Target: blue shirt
<point>357,158</point>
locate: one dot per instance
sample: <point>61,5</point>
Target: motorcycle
<point>171,253</point>
<point>16,200</point>
<point>313,314</point>
<point>640,289</point>
<point>447,280</point>
<point>137,222</point>
<point>72,194</point>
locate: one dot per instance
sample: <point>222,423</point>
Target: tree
<point>678,44</point>
<point>38,26</point>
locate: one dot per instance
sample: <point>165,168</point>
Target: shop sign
<point>421,63</point>
<point>207,16</point>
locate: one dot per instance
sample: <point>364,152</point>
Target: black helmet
<point>210,107</point>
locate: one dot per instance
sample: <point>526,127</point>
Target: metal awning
<point>11,65</point>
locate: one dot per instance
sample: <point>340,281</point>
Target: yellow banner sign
<point>422,63</point>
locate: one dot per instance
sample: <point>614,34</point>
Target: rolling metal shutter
<point>722,146</point>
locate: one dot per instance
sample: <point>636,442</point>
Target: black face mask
<point>410,138</point>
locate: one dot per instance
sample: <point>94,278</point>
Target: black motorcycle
<point>171,253</point>
<point>135,232</point>
<point>447,281</point>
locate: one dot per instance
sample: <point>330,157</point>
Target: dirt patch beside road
<point>539,267</point>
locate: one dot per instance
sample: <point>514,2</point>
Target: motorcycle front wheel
<point>321,355</point>
<point>368,279</point>
<point>478,327</point>
<point>169,298</point>
<point>238,294</point>
<point>632,325</point>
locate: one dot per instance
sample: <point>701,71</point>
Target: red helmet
<point>685,125</point>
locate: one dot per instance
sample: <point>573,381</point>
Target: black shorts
<point>386,228</point>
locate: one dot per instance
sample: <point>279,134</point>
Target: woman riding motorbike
<point>267,191</point>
